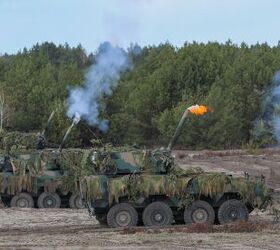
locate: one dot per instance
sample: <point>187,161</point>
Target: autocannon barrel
<point>48,123</point>
<point>76,120</point>
<point>178,130</point>
<point>41,141</point>
<point>65,136</point>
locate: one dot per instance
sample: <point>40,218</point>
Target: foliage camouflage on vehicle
<point>18,140</point>
<point>12,184</point>
<point>47,170</point>
<point>182,185</point>
<point>26,166</point>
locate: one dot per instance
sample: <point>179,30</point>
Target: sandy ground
<point>74,229</point>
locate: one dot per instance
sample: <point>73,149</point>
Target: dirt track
<point>74,229</point>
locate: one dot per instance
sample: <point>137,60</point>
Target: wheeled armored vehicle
<point>146,187</point>
<point>34,176</point>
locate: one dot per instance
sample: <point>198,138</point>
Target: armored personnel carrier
<point>146,187</point>
<point>34,176</point>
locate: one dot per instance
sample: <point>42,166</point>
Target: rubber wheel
<point>22,200</point>
<point>122,215</point>
<point>48,200</point>
<point>199,212</point>
<point>157,214</point>
<point>102,219</point>
<point>75,202</point>
<point>232,210</point>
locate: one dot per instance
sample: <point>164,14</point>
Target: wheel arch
<point>220,199</point>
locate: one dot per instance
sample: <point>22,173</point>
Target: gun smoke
<point>268,125</point>
<point>100,81</point>
<point>276,106</point>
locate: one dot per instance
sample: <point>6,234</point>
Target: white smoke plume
<point>267,126</point>
<point>101,79</point>
<point>276,105</point>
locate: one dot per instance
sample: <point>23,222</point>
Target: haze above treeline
<point>149,99</point>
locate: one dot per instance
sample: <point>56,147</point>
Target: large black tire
<point>22,200</point>
<point>49,200</point>
<point>232,210</point>
<point>199,212</point>
<point>157,214</point>
<point>122,215</point>
<point>76,202</point>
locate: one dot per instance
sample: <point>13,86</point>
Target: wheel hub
<point>200,215</point>
<point>123,218</point>
<point>49,202</point>
<point>158,217</point>
<point>22,203</point>
<point>233,214</point>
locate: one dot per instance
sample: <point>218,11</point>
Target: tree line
<point>150,98</point>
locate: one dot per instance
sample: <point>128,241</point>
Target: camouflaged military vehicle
<point>45,179</point>
<point>31,175</point>
<point>146,187</point>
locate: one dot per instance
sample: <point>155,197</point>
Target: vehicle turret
<point>23,141</point>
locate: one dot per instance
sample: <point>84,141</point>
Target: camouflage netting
<point>91,187</point>
<point>135,186</point>
<point>62,184</point>
<point>211,184</point>
<point>23,178</point>
<point>56,172</point>
<point>12,184</point>
<point>155,161</point>
<point>73,163</point>
<point>27,164</point>
<point>177,170</point>
<point>19,140</point>
<point>147,161</point>
<point>105,164</point>
<point>143,161</point>
<point>51,186</point>
<point>183,187</point>
<point>253,192</point>
<point>76,161</point>
<point>61,172</point>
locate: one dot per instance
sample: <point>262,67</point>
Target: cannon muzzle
<point>178,130</point>
<point>197,110</point>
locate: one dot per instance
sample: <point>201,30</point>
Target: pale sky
<point>23,23</point>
